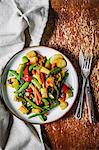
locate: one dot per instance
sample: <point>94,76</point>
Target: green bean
<point>51,96</point>
<point>46,107</point>
<point>45,111</point>
<point>36,83</point>
<point>13,73</point>
<point>57,91</point>
<point>16,75</point>
<point>64,78</point>
<point>46,103</point>
<point>32,66</point>
<point>21,72</point>
<point>20,94</point>
<point>49,99</point>
<point>32,103</point>
<point>55,70</point>
<point>24,86</point>
<point>36,67</point>
<point>42,117</point>
<point>42,113</point>
<point>47,63</point>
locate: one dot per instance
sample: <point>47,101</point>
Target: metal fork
<point>85,71</point>
<point>91,112</point>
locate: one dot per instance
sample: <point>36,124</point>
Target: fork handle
<point>79,109</point>
<point>91,112</point>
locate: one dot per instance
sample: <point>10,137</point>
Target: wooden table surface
<point>71,24</point>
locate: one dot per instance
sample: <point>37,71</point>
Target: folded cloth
<point>15,17</point>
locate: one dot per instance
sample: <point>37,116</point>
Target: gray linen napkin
<point>15,17</point>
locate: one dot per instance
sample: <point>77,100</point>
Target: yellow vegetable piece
<point>18,99</point>
<point>47,66</point>
<point>68,93</point>
<point>44,92</point>
<point>45,70</point>
<point>63,73</point>
<point>61,63</point>
<point>55,57</point>
<point>31,86</point>
<point>18,69</point>
<point>50,81</point>
<point>27,93</point>
<point>23,109</point>
<point>61,99</point>
<point>33,60</point>
<point>51,96</point>
<point>36,111</point>
<point>13,82</point>
<point>37,76</point>
<point>30,54</point>
<point>63,105</point>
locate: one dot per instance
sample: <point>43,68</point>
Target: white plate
<point>8,94</point>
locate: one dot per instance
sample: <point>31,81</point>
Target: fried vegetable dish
<point>40,84</point>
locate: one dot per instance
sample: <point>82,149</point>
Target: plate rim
<point>9,108</point>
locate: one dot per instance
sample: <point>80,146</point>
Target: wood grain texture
<point>73,24</point>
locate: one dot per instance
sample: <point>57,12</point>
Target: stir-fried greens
<point>39,84</point>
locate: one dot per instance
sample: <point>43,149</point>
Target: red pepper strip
<point>37,100</point>
<point>29,90</point>
<point>40,102</point>
<point>42,77</point>
<point>37,96</point>
<point>27,78</point>
<point>26,71</point>
<point>64,88</point>
<point>38,93</point>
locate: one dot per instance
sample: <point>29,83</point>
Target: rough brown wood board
<point>71,24</point>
